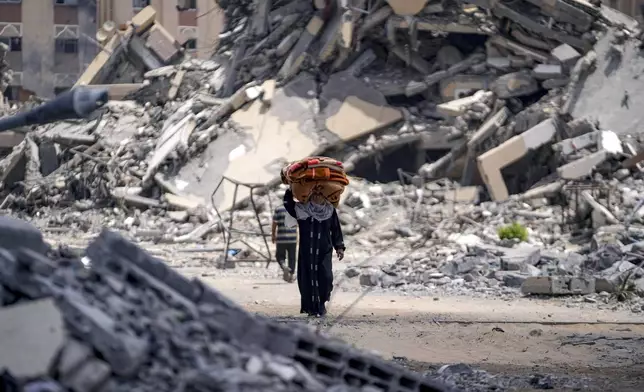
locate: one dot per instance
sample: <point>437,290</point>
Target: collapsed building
<point>460,87</point>
<point>510,100</point>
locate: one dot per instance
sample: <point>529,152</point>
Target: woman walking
<point>320,234</point>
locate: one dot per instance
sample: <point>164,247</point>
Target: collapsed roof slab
<point>614,93</point>
<point>493,161</point>
<point>285,131</point>
<point>272,136</point>
<point>199,177</point>
<point>352,109</point>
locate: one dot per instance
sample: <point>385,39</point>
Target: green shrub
<point>513,231</point>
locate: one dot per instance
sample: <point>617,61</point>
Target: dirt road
<point>514,337</point>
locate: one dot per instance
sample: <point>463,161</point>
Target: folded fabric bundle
<point>321,175</point>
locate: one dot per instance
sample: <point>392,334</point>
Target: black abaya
<point>317,241</point>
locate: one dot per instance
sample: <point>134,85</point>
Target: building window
<point>14,43</point>
<point>10,1</point>
<point>66,45</point>
<point>66,2</point>
<point>138,4</point>
<point>190,44</point>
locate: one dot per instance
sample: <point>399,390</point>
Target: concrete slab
<point>31,336</point>
<point>491,162</point>
<point>459,106</point>
<point>272,137</point>
<point>582,167</point>
<point>614,93</point>
<point>407,7</point>
<point>351,109</point>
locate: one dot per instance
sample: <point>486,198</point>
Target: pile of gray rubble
<point>118,319</point>
<point>482,113</point>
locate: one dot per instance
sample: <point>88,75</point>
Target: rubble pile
<point>485,81</point>
<point>121,320</point>
<point>450,242</point>
<point>488,85</point>
<point>484,113</point>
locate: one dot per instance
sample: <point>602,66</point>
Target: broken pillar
<point>582,167</point>
<point>491,162</point>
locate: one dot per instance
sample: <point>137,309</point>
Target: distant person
<point>285,240</point>
<point>320,234</point>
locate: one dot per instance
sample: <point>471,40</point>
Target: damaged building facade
<point>54,41</point>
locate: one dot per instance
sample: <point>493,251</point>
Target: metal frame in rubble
<point>573,191</point>
<point>228,232</point>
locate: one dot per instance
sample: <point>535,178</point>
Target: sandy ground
<point>509,337</point>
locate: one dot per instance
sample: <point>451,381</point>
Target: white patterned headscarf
<point>304,211</point>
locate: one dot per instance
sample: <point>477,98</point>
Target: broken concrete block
<point>296,57</point>
<point>500,63</point>
<point>137,201</point>
<point>489,127</point>
<point>515,259</point>
<point>31,336</point>
<point>287,43</point>
<point>17,234</point>
<point>374,19</point>
<point>511,278</point>
<point>582,167</point>
<point>558,285</point>
<point>363,61</point>
<point>413,59</point>
<point>183,202</point>
<point>519,49</point>
<point>491,162</point>
<point>371,277</point>
<point>178,216</point>
<point>172,137</point>
<point>269,91</point>
<point>516,84</point>
<point>458,107</point>
<point>610,142</point>
<point>466,194</point>
<point>547,71</point>
<point>569,146</point>
<point>355,109</point>
<point>607,215</point>
<point>555,83</point>
<point>612,278</point>
<point>566,54</point>
<point>459,86</point>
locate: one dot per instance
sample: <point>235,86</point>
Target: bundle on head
<point>320,176</point>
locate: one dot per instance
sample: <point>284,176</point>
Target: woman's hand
<point>340,253</point>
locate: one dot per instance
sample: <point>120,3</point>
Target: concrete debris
<point>505,112</point>
<point>129,322</point>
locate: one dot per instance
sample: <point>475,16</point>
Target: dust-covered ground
<point>492,340</point>
<point>498,345</point>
